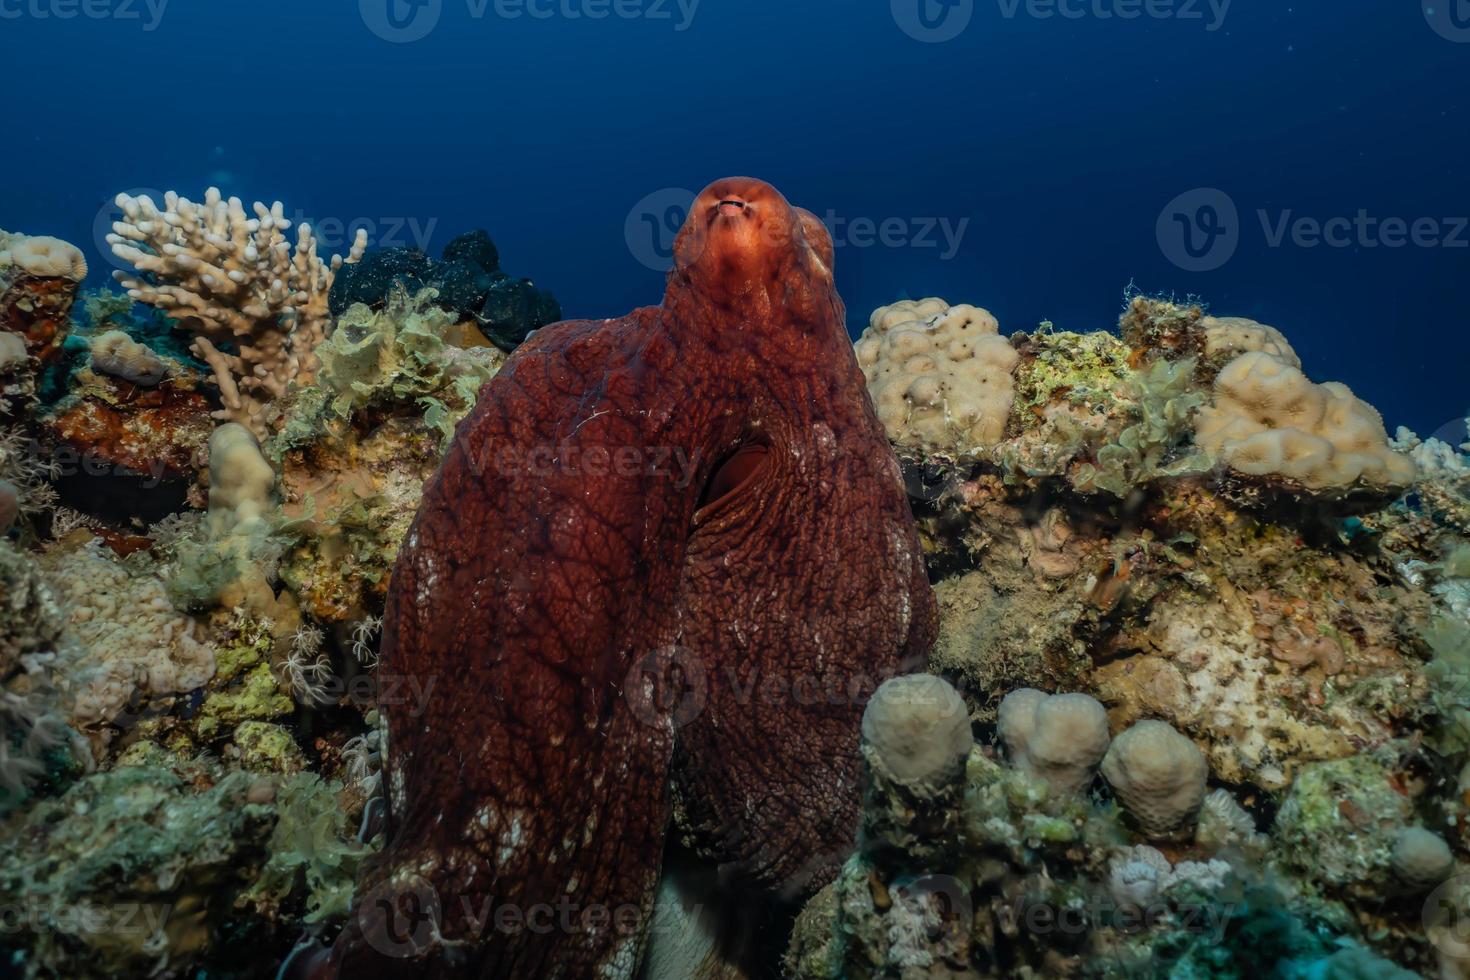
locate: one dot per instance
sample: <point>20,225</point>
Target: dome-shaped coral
<point>1159,775</point>
<point>119,355</point>
<point>1269,419</point>
<point>939,376</point>
<point>42,255</point>
<point>1059,738</point>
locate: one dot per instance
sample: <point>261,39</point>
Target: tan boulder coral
<point>1421,859</point>
<point>230,278</point>
<point>115,353</point>
<point>916,730</point>
<point>916,740</point>
<point>1059,738</point>
<point>1268,419</point>
<point>1159,776</point>
<point>39,278</point>
<point>939,375</point>
<point>42,255</point>
<point>1230,336</point>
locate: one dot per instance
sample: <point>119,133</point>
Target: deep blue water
<point>1058,140</point>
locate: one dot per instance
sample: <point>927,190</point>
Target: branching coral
<point>232,279</point>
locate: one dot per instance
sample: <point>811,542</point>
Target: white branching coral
<point>233,279</point>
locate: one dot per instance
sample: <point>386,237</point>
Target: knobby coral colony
<point>1194,702</point>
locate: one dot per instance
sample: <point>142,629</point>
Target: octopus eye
<point>736,472</point>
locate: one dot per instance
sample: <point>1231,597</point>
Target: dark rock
<point>469,284</point>
<point>475,247</point>
<point>513,308</point>
<point>371,279</point>
<point>462,286</point>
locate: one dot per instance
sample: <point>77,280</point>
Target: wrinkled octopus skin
<point>657,575</point>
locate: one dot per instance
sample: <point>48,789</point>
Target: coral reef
<point>467,284</point>
<point>1058,738</point>
<point>1198,706</point>
<point>1159,777</point>
<point>39,278</point>
<point>235,280</point>
<point>1269,420</point>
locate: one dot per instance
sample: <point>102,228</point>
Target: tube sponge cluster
<point>233,279</point>
<point>939,375</point>
<point>1268,419</point>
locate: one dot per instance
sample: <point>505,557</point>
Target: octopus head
<point>742,231</point>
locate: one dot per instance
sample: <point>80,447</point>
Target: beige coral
<point>939,375</point>
<point>1268,419</point>
<point>918,728</point>
<point>1160,776</point>
<point>42,255</point>
<point>1235,335</point>
<point>119,355</point>
<point>1059,738</point>
<point>122,635</point>
<point>1421,859</point>
<point>232,278</point>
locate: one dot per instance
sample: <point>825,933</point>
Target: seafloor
<point>1254,599</point>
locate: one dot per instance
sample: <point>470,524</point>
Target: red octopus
<point>654,580</point>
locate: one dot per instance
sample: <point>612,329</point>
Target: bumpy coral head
<point>742,234</point>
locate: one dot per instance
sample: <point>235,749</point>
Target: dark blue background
<point>1061,140</point>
